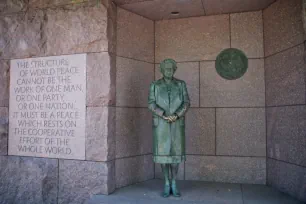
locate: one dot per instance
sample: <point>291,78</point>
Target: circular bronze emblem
<point>231,63</point>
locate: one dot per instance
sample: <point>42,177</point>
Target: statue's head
<point>168,68</point>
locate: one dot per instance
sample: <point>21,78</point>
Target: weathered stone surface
<point>135,36</point>
<point>51,3</point>
<point>111,177</point>
<point>287,178</point>
<point>22,35</point>
<point>133,82</point>
<point>101,79</point>
<point>4,119</point>
<point>285,83</point>
<point>249,90</point>
<point>200,131</point>
<point>286,134</point>
<point>12,6</point>
<point>133,132</point>
<point>100,133</point>
<point>304,15</point>
<point>254,194</point>
<point>57,3</point>
<point>51,121</point>
<point>213,7</point>
<point>120,2</point>
<point>161,9</point>
<point>247,33</point>
<point>28,180</point>
<point>76,29</point>
<point>283,26</point>
<point>193,192</point>
<point>4,82</point>
<point>80,180</point>
<point>226,169</point>
<point>241,131</point>
<point>180,175</point>
<point>191,39</point>
<point>134,169</point>
<point>111,25</point>
<point>189,72</point>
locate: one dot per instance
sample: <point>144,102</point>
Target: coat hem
<point>169,159</point>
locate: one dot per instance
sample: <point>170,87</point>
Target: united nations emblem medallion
<point>231,63</point>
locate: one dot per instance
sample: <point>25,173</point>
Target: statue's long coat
<point>168,138</point>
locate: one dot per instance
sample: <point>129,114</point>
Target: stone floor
<point>196,192</point>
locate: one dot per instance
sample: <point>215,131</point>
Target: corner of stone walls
<point>135,72</point>
<point>285,79</point>
<point>4,118</point>
<point>80,180</point>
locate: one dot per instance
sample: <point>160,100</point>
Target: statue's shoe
<point>175,191</point>
<point>166,192</point>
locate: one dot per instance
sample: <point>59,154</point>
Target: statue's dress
<point>168,138</point>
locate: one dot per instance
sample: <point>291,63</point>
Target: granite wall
<point>285,75</point>
<point>249,130</point>
<point>226,129</point>
<point>35,28</point>
<point>135,72</point>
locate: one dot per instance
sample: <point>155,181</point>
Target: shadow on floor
<point>196,192</point>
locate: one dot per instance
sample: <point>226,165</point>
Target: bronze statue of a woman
<point>169,101</point>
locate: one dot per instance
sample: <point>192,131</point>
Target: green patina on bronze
<point>169,101</point>
<point>231,63</point>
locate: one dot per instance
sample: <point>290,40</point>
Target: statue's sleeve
<point>152,102</point>
<point>186,102</point>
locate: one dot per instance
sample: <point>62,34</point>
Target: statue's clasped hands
<point>170,119</point>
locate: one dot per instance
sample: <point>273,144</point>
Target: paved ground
<point>195,192</point>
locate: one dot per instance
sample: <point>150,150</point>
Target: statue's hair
<point>166,61</point>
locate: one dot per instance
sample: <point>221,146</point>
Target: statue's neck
<point>168,80</point>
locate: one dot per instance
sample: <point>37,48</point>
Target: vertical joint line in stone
<point>86,107</point>
<point>184,170</point>
<point>8,126</point>
<point>216,131</point>
<point>58,175</point>
<point>154,56</point>
<point>266,145</point>
<point>154,39</point>
<point>230,30</point>
<point>305,69</point>
<point>265,89</point>
<point>154,170</point>
<point>263,34</point>
<point>203,8</point>
<point>199,84</point>
<point>266,124</point>
<point>241,189</point>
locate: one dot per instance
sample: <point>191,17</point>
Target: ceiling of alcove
<point>161,9</point>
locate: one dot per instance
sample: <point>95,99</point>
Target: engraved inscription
<point>47,107</point>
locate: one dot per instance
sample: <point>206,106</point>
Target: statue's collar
<point>171,82</point>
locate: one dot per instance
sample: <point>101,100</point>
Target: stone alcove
<point>265,109</point>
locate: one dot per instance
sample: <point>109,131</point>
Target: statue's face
<point>168,70</point>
